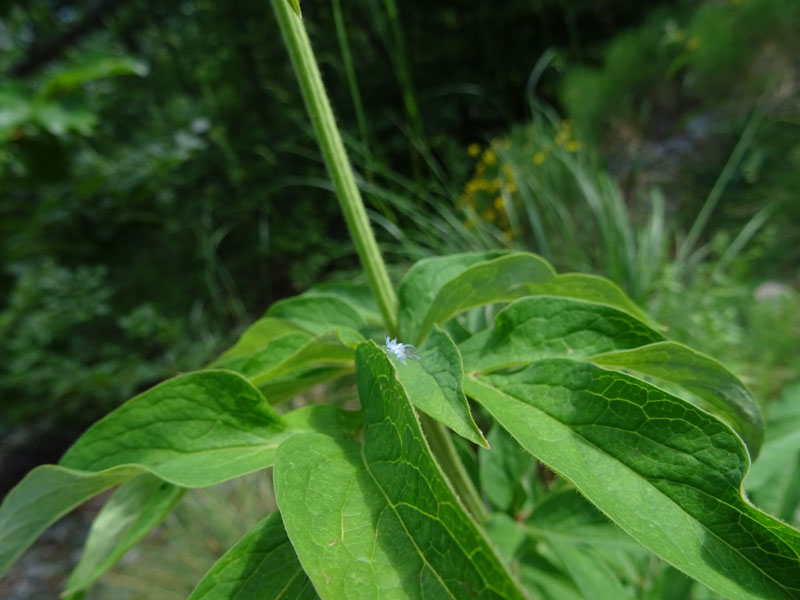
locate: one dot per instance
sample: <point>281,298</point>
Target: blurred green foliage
<point>161,185</point>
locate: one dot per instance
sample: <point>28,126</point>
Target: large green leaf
<point>335,348</point>
<point>262,565</point>
<point>194,430</point>
<point>667,472</point>
<point>317,313</point>
<point>254,338</point>
<point>45,495</point>
<point>357,296</point>
<point>378,519</point>
<point>433,384</point>
<point>546,327</point>
<point>130,514</point>
<point>774,480</point>
<point>714,387</point>
<point>436,289</point>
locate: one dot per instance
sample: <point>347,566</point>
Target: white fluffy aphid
<point>401,351</point>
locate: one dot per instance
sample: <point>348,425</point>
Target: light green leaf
<point>43,496</point>
<point>91,68</point>
<point>665,471</point>
<point>774,480</point>
<point>261,565</point>
<point>593,289</point>
<point>357,296</point>
<point>198,429</point>
<point>129,515</point>
<point>194,430</point>
<point>317,313</point>
<point>506,472</point>
<point>436,289</point>
<point>433,384</point>
<point>506,535</point>
<point>332,349</point>
<point>255,337</point>
<point>326,418</point>
<point>715,388</point>
<point>547,327</point>
<point>567,516</point>
<point>592,576</point>
<point>288,386</point>
<point>378,520</point>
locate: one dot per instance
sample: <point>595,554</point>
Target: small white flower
<point>401,351</point>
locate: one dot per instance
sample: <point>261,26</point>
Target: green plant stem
<point>319,109</point>
<point>447,457</point>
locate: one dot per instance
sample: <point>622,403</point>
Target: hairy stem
<point>447,457</point>
<point>319,109</point>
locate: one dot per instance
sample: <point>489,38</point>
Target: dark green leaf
<point>378,519</point>
<point>665,471</point>
<point>436,289</point>
<point>547,327</point>
<point>261,565</point>
<point>715,388</point>
<point>194,430</point>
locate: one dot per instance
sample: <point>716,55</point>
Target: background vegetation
<point>161,187</point>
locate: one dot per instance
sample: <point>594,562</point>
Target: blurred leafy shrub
<point>718,54</point>
<point>68,355</point>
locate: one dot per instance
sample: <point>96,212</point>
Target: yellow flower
<point>490,214</point>
<point>573,146</point>
<point>473,149</point>
<point>539,158</point>
<point>489,157</point>
<point>498,204</point>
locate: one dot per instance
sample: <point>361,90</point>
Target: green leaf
<point>436,289</point>
<point>593,289</point>
<point>357,296</point>
<point>592,576</point>
<point>665,471</point>
<point>774,481</point>
<point>255,337</point>
<point>332,349</point>
<point>91,68</point>
<point>261,565</point>
<point>567,516</point>
<point>43,496</point>
<point>433,384</point>
<point>317,313</point>
<point>715,389</point>
<point>325,418</point>
<point>378,519</point>
<point>547,327</point>
<point>129,515</point>
<point>288,386</point>
<point>506,472</point>
<point>194,430</point>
